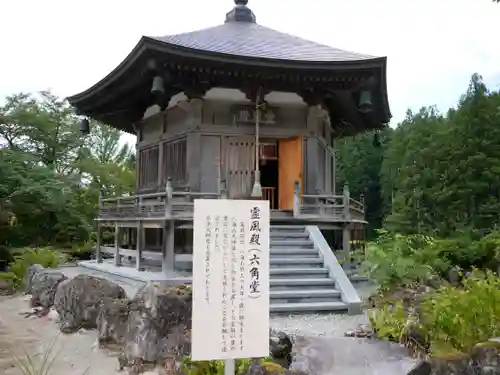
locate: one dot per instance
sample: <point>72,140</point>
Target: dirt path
<point>74,354</point>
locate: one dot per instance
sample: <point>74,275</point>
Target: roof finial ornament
<point>241,13</point>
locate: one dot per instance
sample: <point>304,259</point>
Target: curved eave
<point>385,95</point>
<point>153,45</point>
<point>112,77</point>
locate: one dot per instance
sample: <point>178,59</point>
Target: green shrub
<point>84,251</point>
<point>450,319</point>
<point>216,367</point>
<point>391,322</point>
<point>394,259</point>
<point>29,365</point>
<point>212,367</point>
<point>459,318</point>
<point>5,255</point>
<point>468,251</point>
<point>25,257</point>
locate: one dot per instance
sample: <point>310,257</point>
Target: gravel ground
<point>319,348</point>
<point>320,325</point>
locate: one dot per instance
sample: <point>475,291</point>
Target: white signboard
<point>230,279</point>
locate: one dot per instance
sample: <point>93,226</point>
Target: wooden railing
<point>327,205</point>
<point>179,204</point>
<point>166,204</point>
<point>268,195</point>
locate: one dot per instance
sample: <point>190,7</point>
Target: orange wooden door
<point>290,170</point>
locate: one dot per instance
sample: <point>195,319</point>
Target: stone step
<point>291,243</point>
<point>299,272</point>
<point>286,235</point>
<point>304,293</point>
<point>290,261</point>
<point>294,228</point>
<point>276,283</point>
<point>337,306</point>
<point>293,251</point>
<point>281,264</point>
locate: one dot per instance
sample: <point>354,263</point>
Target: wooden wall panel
<point>148,168</point>
<point>210,170</point>
<point>240,165</point>
<point>175,162</point>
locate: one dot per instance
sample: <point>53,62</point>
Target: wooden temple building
<point>237,111</point>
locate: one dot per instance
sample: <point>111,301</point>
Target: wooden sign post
<point>230,280</point>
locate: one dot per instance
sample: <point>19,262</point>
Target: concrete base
<point>150,274</point>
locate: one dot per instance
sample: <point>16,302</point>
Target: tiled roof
<point>253,40</point>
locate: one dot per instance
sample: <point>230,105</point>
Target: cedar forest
<point>431,187</point>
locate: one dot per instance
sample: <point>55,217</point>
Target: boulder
<point>422,368</point>
<point>484,359</point>
<point>44,287</point>
<point>280,347</point>
<point>112,321</point>
<point>159,323</point>
<point>78,301</point>
<point>30,274</point>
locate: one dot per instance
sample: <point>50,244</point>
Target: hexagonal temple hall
<point>240,111</point>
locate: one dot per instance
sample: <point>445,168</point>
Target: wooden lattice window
<point>175,161</point>
<point>148,168</point>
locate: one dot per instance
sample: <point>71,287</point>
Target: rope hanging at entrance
<point>257,129</point>
<point>257,188</point>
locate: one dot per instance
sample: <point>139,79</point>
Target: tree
<point>43,126</point>
<point>50,176</point>
<point>358,161</point>
<point>441,173</point>
<point>107,162</point>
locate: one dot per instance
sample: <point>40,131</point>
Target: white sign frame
<point>214,315</point>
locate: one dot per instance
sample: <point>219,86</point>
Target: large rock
<point>280,347</point>
<point>484,359</point>
<point>29,277</point>
<point>77,301</point>
<point>112,321</point>
<point>44,287</point>
<point>159,324</point>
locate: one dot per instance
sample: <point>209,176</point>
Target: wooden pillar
<point>347,203</point>
<point>334,168</point>
<point>139,246</point>
<point>193,160</point>
<point>98,256</point>
<point>138,173</point>
<point>161,166</point>
<point>168,250</point>
<point>346,247</point>
<point>312,148</point>
<point>296,199</point>
<point>118,258</point>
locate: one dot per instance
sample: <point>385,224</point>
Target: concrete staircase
<point>299,280</point>
<point>305,275</point>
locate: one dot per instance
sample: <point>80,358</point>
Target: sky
<point>432,46</point>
